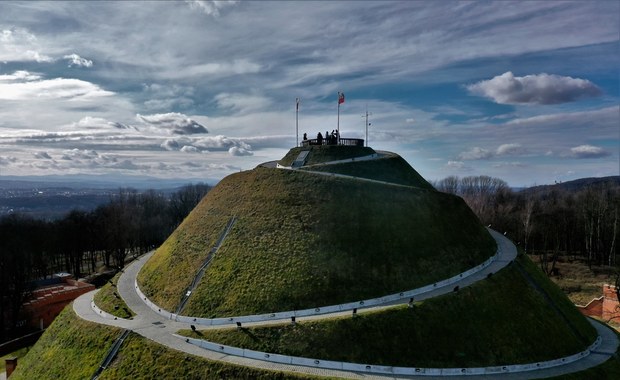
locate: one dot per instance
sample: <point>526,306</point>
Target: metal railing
<point>329,141</point>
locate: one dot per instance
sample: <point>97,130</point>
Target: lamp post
<point>297,121</point>
<point>367,123</point>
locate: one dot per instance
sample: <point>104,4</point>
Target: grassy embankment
<point>108,300</point>
<point>302,241</point>
<point>325,153</point>
<point>499,321</point>
<point>69,349</point>
<point>72,348</point>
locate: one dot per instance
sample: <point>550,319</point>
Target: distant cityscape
<point>51,200</point>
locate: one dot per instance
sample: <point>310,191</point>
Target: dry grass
<point>580,283</point>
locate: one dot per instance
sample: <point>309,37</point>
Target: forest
<point>577,220</point>
<point>81,243</point>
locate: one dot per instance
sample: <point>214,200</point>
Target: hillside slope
<point>303,240</point>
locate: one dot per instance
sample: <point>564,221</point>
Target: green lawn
<point>108,300</point>
<point>499,321</point>
<point>72,348</point>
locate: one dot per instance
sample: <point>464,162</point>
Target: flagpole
<point>338,124</point>
<point>296,121</point>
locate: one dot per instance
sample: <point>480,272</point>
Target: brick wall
<point>47,302</point>
<point>605,307</point>
<point>611,308</point>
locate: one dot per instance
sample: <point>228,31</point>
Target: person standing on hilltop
<point>319,139</point>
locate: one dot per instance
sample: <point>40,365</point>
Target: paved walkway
<point>153,326</point>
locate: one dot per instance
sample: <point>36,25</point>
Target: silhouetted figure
<point>305,136</point>
<point>319,139</point>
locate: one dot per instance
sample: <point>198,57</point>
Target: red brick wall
<point>50,301</point>
<point>605,307</point>
<point>611,308</point>
<point>594,308</point>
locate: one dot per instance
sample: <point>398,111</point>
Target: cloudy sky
<point>525,91</point>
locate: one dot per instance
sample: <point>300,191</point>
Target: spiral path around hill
<point>155,327</point>
<point>154,324</point>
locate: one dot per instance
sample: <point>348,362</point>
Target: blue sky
<point>525,91</point>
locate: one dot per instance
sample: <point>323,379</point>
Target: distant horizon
<point>104,181</point>
<point>528,92</point>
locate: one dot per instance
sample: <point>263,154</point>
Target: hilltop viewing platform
<point>329,141</point>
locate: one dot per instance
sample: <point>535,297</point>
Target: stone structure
<point>48,301</point>
<point>605,307</point>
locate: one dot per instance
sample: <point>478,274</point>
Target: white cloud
<point>242,102</point>
<point>238,151</point>
<point>176,123</point>
<point>89,122</point>
<point>7,160</point>
<point>17,44</point>
<point>190,149</point>
<point>534,89</point>
<point>58,88</point>
<point>170,145</point>
<point>76,60</point>
<point>211,8</point>
<point>83,154</point>
<point>509,149</point>
<point>588,151</point>
<point>20,75</point>
<point>42,155</point>
<point>475,153</point>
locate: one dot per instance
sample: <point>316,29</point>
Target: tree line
<point>131,223</point>
<point>579,222</point>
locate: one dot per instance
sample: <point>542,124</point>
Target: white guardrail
<point>410,294</point>
<point>389,370</point>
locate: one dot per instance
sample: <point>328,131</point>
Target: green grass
<point>15,354</point>
<point>69,349</point>
<point>72,348</point>
<point>106,300</point>
<point>325,153</point>
<point>389,169</point>
<point>499,321</point>
<point>140,358</point>
<point>303,240</point>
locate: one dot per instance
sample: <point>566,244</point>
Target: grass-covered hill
<point>303,240</point>
<point>477,326</point>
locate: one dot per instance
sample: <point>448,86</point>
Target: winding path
<point>152,325</point>
<point>160,326</point>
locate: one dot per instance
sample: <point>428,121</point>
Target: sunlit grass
<point>302,241</point>
<point>499,321</point>
<point>108,300</point>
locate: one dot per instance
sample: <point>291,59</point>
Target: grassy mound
<point>303,240</point>
<point>393,169</point>
<point>72,348</point>
<point>502,320</point>
<point>325,153</point>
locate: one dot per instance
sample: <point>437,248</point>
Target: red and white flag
<point>340,97</point>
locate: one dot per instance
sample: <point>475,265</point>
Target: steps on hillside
<point>203,267</point>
